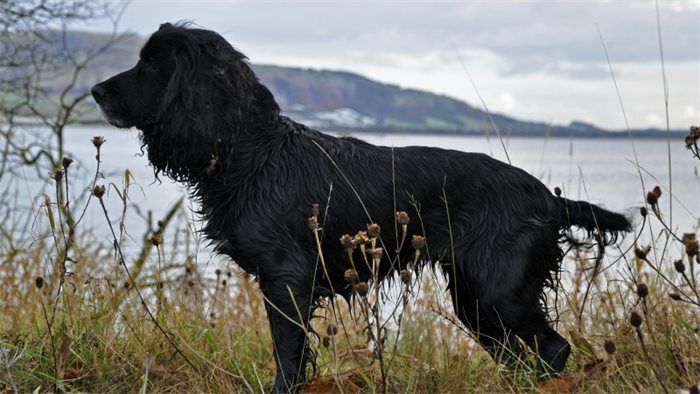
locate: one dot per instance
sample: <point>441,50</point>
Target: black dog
<point>206,121</point>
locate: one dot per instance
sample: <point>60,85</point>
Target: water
<point>602,171</point>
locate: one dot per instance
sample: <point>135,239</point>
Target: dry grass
<point>74,319</point>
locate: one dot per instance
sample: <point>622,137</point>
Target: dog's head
<point>190,88</point>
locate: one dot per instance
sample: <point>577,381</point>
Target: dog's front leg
<point>288,304</point>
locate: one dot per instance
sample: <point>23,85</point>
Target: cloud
<point>532,35</point>
<point>506,102</point>
<point>546,54</point>
<point>691,113</point>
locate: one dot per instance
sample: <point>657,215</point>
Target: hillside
<point>330,100</point>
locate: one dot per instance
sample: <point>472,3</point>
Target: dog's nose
<point>98,92</point>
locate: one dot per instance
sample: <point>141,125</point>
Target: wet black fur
<point>206,121</point>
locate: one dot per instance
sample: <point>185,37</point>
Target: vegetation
<point>79,314</point>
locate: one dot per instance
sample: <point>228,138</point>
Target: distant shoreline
<point>554,132</point>
<point>646,134</point>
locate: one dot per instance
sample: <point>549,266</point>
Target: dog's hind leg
<point>515,298</point>
<point>499,341</point>
<point>288,304</point>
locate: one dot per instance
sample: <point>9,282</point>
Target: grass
<point>74,320</point>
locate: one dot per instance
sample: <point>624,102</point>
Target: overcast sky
<point>535,60</point>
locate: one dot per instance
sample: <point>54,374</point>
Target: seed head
<point>405,276</point>
<point>692,136</point>
<point>557,191</point>
<point>643,211</point>
<point>636,319</point>
<point>98,191</point>
<point>39,282</point>
<point>331,330</point>
<point>373,230</point>
<point>347,242</point>
<point>402,218</point>
<point>156,239</point>
<point>217,272</point>
<point>695,131</point>
<point>642,290</point>
<point>675,296</point>
<point>679,266</point>
<point>98,141</point>
<point>58,175</point>
<point>351,276</point>
<point>376,253</point>
<point>418,242</point>
<point>66,162</point>
<point>361,238</point>
<point>609,347</point>
<point>326,342</point>
<point>691,244</point>
<point>653,196</point>
<point>361,289</point>
<point>315,210</point>
<point>313,222</point>
<point>641,253</point>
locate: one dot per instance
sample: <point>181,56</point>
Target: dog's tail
<point>592,218</point>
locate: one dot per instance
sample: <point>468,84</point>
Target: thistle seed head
<point>402,218</point>
<point>97,141</point>
<point>679,266</point>
<point>98,191</point>
<point>691,244</point>
<point>313,222</point>
<point>66,162</point>
<point>331,330</point>
<point>347,242</point>
<point>405,276</point>
<point>609,347</point>
<point>641,253</point>
<point>653,196</point>
<point>376,253</point>
<point>156,239</point>
<point>361,289</point>
<point>57,175</point>
<point>642,290</point>
<point>361,238</point>
<point>373,230</point>
<point>636,319</point>
<point>418,242</point>
<point>351,276</point>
